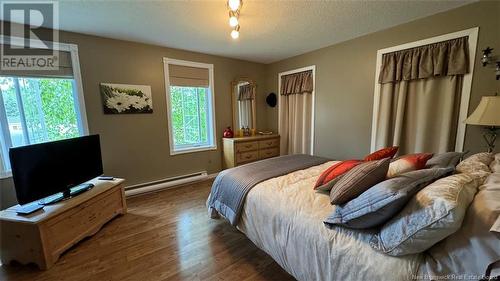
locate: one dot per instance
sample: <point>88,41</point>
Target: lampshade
<point>487,113</point>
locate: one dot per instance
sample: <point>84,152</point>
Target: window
<point>40,107</point>
<point>190,104</point>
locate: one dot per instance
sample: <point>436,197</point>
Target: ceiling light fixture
<point>236,32</point>
<point>234,7</point>
<point>233,18</point>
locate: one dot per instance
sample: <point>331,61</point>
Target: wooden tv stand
<point>44,235</point>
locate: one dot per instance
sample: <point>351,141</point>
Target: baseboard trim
<point>170,183</point>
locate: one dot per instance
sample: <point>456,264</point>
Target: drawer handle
<point>248,156</point>
<point>248,146</point>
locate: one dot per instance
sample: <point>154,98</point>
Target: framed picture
<point>124,99</point>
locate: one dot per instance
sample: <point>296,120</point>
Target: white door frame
<point>313,112</point>
<point>466,87</point>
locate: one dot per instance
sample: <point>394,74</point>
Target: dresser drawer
<point>246,146</point>
<point>247,156</point>
<point>269,152</point>
<point>268,143</point>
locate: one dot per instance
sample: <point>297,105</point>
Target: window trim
<point>472,33</point>
<point>211,107</point>
<point>81,112</point>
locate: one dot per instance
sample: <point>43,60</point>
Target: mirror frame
<point>234,101</point>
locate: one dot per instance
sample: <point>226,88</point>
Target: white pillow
<point>431,215</point>
<point>408,163</point>
<point>399,167</point>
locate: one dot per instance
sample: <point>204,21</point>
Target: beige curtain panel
<point>419,115</point>
<point>246,92</point>
<point>445,58</point>
<point>295,124</point>
<point>64,70</point>
<point>297,83</point>
<point>187,76</point>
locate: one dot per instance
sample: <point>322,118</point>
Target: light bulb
<point>233,4</point>
<point>233,21</point>
<point>235,34</point>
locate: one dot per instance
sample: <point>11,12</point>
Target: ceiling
<point>270,30</point>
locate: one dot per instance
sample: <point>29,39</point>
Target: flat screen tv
<point>56,169</point>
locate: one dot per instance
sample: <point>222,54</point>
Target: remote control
<point>28,208</point>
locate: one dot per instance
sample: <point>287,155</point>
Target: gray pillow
<point>444,160</point>
<point>381,202</point>
<point>433,214</point>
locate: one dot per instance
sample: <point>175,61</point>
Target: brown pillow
<point>358,180</point>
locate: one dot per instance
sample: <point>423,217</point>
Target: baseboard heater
<point>165,183</point>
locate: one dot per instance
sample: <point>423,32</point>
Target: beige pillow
<point>478,162</point>
<point>495,164</point>
<point>475,246</point>
<point>431,215</point>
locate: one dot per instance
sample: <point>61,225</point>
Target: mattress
<point>284,217</point>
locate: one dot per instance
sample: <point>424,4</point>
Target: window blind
<point>187,76</point>
<point>65,69</point>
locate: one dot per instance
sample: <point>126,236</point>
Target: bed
<point>284,217</point>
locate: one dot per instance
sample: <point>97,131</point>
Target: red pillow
<point>334,172</point>
<point>387,152</point>
<point>408,163</point>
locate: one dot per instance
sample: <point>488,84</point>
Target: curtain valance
<point>246,92</point>
<point>445,58</point>
<point>297,83</point>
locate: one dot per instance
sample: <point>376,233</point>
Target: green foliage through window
<point>189,116</point>
<point>39,109</point>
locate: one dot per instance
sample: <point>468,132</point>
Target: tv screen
<point>41,170</point>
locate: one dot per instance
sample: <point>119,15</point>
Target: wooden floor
<point>165,236</point>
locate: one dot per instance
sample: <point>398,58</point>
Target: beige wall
<point>135,146</point>
<point>345,75</point>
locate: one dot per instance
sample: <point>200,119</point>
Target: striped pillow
<point>358,180</point>
<point>331,175</point>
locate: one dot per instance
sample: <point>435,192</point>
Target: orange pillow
<point>387,152</point>
<point>334,173</point>
<point>408,163</point>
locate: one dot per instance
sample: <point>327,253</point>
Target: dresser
<point>238,151</point>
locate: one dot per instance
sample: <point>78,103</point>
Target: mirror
<point>243,92</point>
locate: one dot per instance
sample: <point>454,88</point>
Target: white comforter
<point>284,217</point>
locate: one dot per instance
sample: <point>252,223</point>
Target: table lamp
<point>487,115</point>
